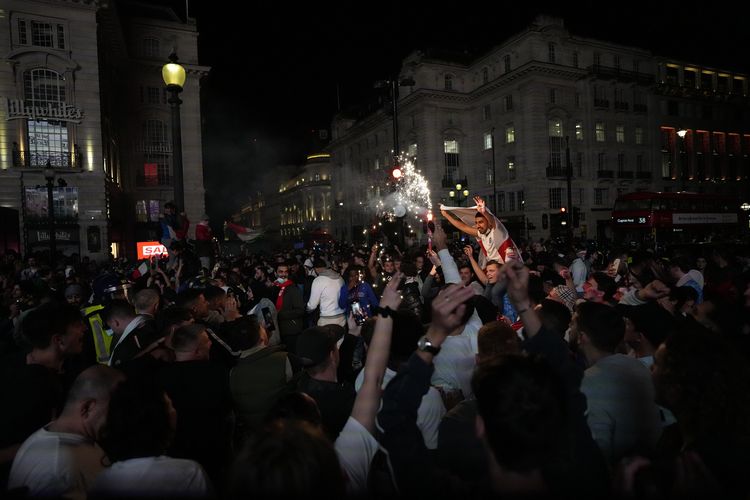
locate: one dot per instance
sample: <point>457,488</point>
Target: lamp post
<point>49,176</point>
<point>494,175</point>
<point>174,78</point>
<point>683,164</point>
<point>459,195</point>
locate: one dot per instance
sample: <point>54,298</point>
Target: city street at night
<point>374,251</point>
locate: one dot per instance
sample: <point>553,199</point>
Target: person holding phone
<point>357,291</point>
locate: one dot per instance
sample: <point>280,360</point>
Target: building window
<point>141,214</point>
<point>151,48</point>
<point>600,135</point>
<point>508,102</point>
<point>487,141</point>
<point>377,164</point>
<point>620,162</point>
<point>521,201</point>
<point>506,63</point>
<point>552,96</point>
<point>620,133</point>
<point>575,59</point>
<point>154,95</point>
<point>555,132</point>
<point>510,134</point>
<point>640,166</point>
<point>601,161</point>
<point>597,59</point>
<point>555,197</point>
<point>487,112</point>
<point>41,34</point>
<point>639,135</point>
<point>411,152</point>
<point>601,196</point>
<point>47,139</point>
<point>511,168</point>
<point>579,163</point>
<point>581,197</point>
<point>501,201</point>
<point>577,99</point>
<point>452,160</point>
<point>579,131</point>
<point>511,201</point>
<point>489,174</point>
<point>448,83</point>
<point>485,75</point>
<point>551,52</point>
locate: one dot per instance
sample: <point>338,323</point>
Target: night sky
<point>276,67</point>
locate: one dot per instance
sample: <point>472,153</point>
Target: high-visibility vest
<point>102,336</point>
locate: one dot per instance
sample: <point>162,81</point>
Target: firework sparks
<point>412,195</point>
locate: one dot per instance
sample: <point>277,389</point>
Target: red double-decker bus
<point>662,219</point>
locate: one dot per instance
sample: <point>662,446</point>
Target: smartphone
<point>268,319</point>
<point>359,314</point>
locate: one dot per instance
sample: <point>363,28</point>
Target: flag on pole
<point>496,244</point>
<point>244,233</point>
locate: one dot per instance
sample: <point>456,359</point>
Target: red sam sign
<point>148,249</point>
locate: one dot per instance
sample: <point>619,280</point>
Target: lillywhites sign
<point>59,235</point>
<point>18,108</point>
<point>148,249</point>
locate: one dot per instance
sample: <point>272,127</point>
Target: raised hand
<point>448,309</point>
<point>468,251</point>
<point>438,237</point>
<point>434,258</point>
<point>391,296</point>
<point>480,204</point>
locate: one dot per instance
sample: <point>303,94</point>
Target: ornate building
<point>82,94</point>
<point>507,123</point>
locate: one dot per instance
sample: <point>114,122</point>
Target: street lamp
<point>49,176</point>
<point>458,194</point>
<point>174,78</point>
<point>683,163</point>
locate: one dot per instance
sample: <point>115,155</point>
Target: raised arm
<point>371,262</point>
<point>471,231</point>
<point>367,402</point>
<point>482,209</point>
<point>517,275</point>
<point>450,269</point>
<point>475,265</point>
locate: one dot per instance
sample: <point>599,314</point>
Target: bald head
<point>146,301</point>
<point>94,383</point>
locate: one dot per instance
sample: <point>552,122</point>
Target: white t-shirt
<point>153,476</point>
<point>454,366</point>
<point>356,448</point>
<point>429,414</point>
<point>56,464</point>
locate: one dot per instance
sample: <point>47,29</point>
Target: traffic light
<point>564,218</point>
<point>563,210</point>
<point>396,172</point>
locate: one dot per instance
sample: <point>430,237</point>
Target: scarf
<point>280,298</point>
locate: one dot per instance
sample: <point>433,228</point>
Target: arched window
<point>48,139</point>
<point>448,82</point>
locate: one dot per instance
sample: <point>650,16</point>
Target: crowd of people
<point>468,367</point>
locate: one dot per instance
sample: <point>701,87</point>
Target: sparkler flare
<point>412,194</point>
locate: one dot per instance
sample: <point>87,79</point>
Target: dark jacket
<point>335,401</point>
<point>256,382</point>
<point>292,314</point>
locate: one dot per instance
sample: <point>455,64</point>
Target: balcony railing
<point>27,159</point>
<point>621,106</point>
<point>163,148</point>
<point>621,74</point>
<point>601,103</point>
<point>625,174</point>
<point>605,174</point>
<point>643,175</point>
<point>152,180</point>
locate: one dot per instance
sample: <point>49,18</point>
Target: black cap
<point>318,262</point>
<point>314,345</point>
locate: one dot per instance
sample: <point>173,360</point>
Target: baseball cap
<point>314,345</point>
